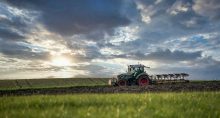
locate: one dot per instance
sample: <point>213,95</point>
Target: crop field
<point>183,104</point>
<point>50,83</point>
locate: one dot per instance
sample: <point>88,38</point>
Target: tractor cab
<point>136,69</point>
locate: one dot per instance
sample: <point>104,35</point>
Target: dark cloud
<point>76,16</point>
<point>165,26</point>
<point>16,22</point>
<point>82,51</point>
<point>160,55</point>
<point>12,27</point>
<point>6,34</point>
<point>16,50</point>
<point>167,55</point>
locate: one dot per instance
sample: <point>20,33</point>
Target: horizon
<point>99,38</point>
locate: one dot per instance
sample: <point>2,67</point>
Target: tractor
<point>136,75</point>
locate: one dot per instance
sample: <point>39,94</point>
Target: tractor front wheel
<point>122,83</point>
<point>143,80</point>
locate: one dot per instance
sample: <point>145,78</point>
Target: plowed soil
<point>168,87</point>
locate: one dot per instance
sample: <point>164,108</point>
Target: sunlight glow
<point>60,61</point>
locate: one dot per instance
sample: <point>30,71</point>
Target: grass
<point>158,105</point>
<point>51,83</point>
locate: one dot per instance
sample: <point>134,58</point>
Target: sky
<point>99,38</point>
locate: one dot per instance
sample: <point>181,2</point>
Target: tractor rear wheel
<point>122,83</point>
<point>143,80</point>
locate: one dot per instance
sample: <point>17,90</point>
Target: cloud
<point>17,50</point>
<point>165,26</point>
<point>178,7</point>
<point>208,43</point>
<point>78,16</point>
<point>93,70</point>
<point>6,34</point>
<point>159,55</point>
<point>12,26</point>
<point>207,8</point>
<point>176,55</point>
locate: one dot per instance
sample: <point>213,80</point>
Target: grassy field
<point>49,83</point>
<point>186,104</point>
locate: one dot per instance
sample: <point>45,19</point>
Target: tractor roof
<point>138,65</point>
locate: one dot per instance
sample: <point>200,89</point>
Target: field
<point>183,104</point>
<point>94,85</point>
<point>50,83</point>
<point>92,97</point>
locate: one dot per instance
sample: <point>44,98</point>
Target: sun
<point>60,61</point>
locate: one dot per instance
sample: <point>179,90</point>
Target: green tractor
<point>135,76</point>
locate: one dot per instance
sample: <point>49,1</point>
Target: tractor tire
<point>122,83</point>
<point>143,80</point>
